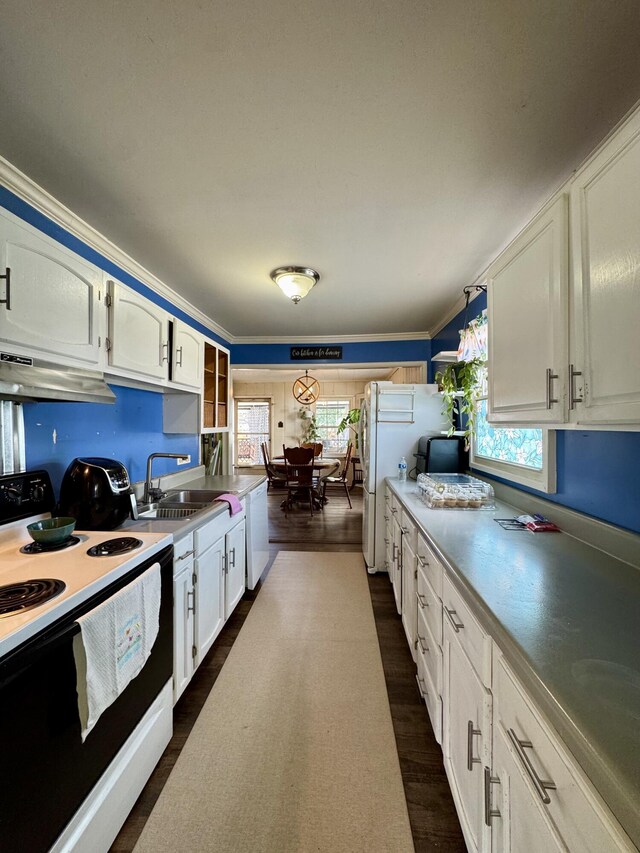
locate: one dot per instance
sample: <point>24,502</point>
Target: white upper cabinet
<point>605,218</point>
<point>138,334</point>
<point>527,298</point>
<point>186,356</point>
<point>49,299</point>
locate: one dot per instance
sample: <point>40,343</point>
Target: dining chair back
<point>340,481</point>
<point>317,446</point>
<point>298,466</point>
<point>274,476</point>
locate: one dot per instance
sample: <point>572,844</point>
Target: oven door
<point>47,770</point>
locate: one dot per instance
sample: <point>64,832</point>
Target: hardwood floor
<point>434,823</point>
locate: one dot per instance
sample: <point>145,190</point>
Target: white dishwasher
<point>257,534</point>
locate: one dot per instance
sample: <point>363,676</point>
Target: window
<point>329,413</point>
<point>525,456</point>
<point>253,419</point>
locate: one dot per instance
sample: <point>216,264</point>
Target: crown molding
<point>30,192</point>
<point>333,339</point>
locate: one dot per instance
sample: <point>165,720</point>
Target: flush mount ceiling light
<point>295,282</point>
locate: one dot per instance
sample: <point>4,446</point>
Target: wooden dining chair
<point>274,476</point>
<point>298,464</point>
<point>340,481</point>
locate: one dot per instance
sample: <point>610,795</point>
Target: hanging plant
<point>460,384</point>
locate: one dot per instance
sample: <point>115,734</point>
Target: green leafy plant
<point>459,382</point>
<point>310,427</point>
<point>350,421</point>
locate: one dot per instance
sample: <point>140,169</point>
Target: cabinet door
<point>138,334</point>
<point>53,308</point>
<point>222,390</point>
<point>236,566</point>
<point>186,358</point>
<point>527,299</point>
<point>409,597</point>
<point>183,623</point>
<point>466,741</point>
<point>396,564</point>
<point>521,823</point>
<point>209,596</point>
<point>605,217</point>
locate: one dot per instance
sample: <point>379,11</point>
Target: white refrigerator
<point>392,419</point>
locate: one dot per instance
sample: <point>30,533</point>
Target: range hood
<point>25,380</point>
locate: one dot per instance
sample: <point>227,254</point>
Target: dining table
<point>325,465</point>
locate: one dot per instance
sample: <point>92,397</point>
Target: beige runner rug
<point>294,749</point>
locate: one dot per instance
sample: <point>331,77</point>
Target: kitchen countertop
<point>567,617</point>
<point>236,484</point>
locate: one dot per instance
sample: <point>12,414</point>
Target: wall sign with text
<point>316,353</point>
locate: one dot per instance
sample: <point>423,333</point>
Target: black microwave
<point>439,454</point>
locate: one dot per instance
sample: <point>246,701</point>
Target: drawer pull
<point>470,733</point>
<point>422,561</point>
<point>406,531</point>
<point>489,780</point>
<point>454,624</point>
<point>191,608</point>
<point>187,554</point>
<point>386,541</point>
<point>541,785</point>
<point>386,518</point>
<point>393,553</point>
<point>423,648</point>
<point>422,601</point>
<point>421,686</point>
<point>394,510</point>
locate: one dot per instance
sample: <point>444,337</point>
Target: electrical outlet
<point>184,460</point>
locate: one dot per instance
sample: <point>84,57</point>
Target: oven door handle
<point>24,656</point>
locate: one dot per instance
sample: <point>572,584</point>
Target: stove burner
<point>42,548</point>
<point>18,597</point>
<point>113,547</point>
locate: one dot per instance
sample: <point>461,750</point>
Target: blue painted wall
<point>598,472</point>
<point>352,353</point>
<point>128,430</point>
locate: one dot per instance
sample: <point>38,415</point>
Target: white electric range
<point>39,585</point>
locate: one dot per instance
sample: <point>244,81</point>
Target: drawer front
<point>429,565</point>
<point>430,651</point>
<point>430,607</point>
<point>474,641</point>
<point>581,818</point>
<point>409,530</point>
<point>183,552</point>
<point>211,531</point>
<point>432,699</point>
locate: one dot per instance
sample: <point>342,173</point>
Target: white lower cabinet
<point>515,786</point>
<point>208,583</point>
<point>466,740</point>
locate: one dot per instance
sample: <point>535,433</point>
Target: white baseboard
<point>99,819</point>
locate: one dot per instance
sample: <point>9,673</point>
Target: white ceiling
<point>393,146</point>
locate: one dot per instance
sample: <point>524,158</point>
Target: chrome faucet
<point>151,494</point>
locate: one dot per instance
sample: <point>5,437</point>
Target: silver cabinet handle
<point>489,780</point>
<point>186,554</point>
<point>164,348</point>
<point>394,510</point>
<point>420,641</point>
<point>541,785</point>
<point>386,518</point>
<point>179,360</point>
<point>405,530</point>
<point>470,733</point>
<point>7,277</point>
<point>422,561</point>
<point>454,624</point>
<point>191,607</point>
<point>421,686</point>
<point>393,552</point>
<point>422,601</point>
<point>572,387</point>
<point>386,541</point>
<point>550,377</point>
<point>233,559</point>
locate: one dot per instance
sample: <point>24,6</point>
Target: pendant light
<point>306,389</point>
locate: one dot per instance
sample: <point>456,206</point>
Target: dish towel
<point>114,643</point>
<point>234,504</point>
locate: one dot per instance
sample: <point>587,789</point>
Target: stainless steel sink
<point>170,509</point>
<point>200,496</point>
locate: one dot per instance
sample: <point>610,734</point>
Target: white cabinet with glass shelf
<point>216,383</point>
